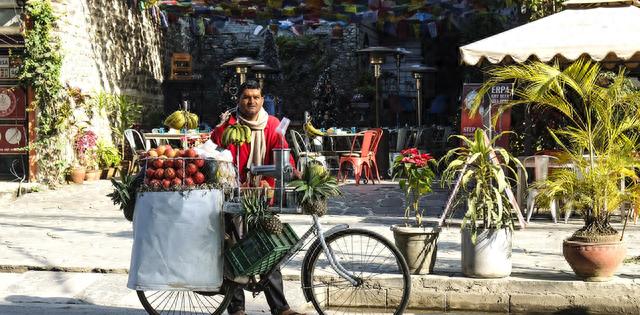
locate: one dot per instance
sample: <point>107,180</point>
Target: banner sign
<point>499,94</point>
<point>12,103</point>
<point>13,139</point>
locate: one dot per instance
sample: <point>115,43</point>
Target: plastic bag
<point>177,241</point>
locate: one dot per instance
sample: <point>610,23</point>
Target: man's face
<point>251,102</point>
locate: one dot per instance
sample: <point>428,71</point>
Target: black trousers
<point>274,292</point>
<point>274,288</point>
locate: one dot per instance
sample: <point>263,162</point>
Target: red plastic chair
<point>358,160</point>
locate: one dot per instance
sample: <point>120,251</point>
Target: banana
<point>192,120</point>
<point>176,120</point>
<point>246,134</point>
<point>226,137</point>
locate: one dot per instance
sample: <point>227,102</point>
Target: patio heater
<point>261,72</point>
<point>419,71</point>
<point>377,55</point>
<point>242,65</point>
<point>399,54</point>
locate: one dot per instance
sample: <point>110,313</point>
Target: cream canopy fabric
<point>602,33</point>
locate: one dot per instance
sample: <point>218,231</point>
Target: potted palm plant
<point>600,142</point>
<point>416,242</point>
<point>313,189</point>
<point>487,226</point>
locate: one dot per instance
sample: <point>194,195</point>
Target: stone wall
<point>234,39</point>
<point>109,46</point>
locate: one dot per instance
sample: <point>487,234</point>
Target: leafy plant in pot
<point>487,226</point>
<point>600,142</point>
<point>416,242</point>
<point>108,159</point>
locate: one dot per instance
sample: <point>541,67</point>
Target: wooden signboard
<point>13,139</point>
<point>12,103</point>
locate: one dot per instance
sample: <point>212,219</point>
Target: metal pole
<point>419,100</point>
<point>377,102</point>
<point>243,78</point>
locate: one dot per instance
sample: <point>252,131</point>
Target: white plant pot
<point>490,256</point>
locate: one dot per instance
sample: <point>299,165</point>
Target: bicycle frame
<point>316,229</point>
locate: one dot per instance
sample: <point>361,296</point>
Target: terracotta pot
<point>77,175</point>
<point>418,246</point>
<point>593,261</point>
<point>107,173</point>
<point>91,175</point>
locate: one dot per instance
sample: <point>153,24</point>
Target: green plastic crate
<point>258,252</point>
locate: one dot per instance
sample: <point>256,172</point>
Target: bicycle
<point>337,278</point>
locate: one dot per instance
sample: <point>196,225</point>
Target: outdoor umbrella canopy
<point>603,33</point>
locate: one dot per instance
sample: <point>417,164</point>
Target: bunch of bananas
<point>312,131</point>
<point>181,119</point>
<point>236,134</point>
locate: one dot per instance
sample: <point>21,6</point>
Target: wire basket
<point>258,252</point>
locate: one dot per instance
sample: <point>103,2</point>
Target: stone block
<point>427,300</point>
<point>608,304</point>
<point>477,302</point>
<point>520,303</point>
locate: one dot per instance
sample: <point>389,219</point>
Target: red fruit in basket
<point>170,153</point>
<point>154,183</point>
<point>157,163</point>
<point>180,153</point>
<point>168,163</point>
<point>191,168</point>
<point>191,153</point>
<point>180,173</point>
<point>169,173</point>
<point>159,174</point>
<point>176,182</point>
<point>199,163</point>
<point>150,173</point>
<point>178,163</point>
<point>161,150</point>
<point>189,182</point>
<point>198,178</point>
<point>166,183</point>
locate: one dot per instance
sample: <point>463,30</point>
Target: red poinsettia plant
<point>416,176</point>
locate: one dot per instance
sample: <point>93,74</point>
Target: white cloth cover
<point>177,241</point>
<point>602,33</point>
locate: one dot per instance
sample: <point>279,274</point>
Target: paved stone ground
<point>77,228</point>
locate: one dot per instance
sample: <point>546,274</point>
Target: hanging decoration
<point>400,18</point>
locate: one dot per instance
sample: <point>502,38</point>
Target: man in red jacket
<point>259,152</point>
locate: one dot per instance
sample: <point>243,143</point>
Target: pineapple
<point>271,224</point>
<point>256,212</point>
<point>314,188</point>
<point>317,207</point>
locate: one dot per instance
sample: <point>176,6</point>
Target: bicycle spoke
<point>368,257</point>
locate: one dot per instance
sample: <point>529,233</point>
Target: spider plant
<point>600,139</point>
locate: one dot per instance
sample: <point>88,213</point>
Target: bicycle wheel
<point>384,282</point>
<point>187,302</point>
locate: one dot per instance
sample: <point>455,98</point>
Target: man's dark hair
<point>250,84</point>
